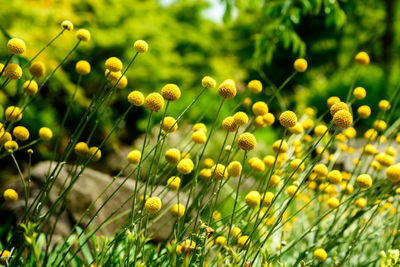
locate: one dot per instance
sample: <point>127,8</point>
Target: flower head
<point>288,119</point>
<point>37,69</point>
<point>300,65</point>
<point>10,195</point>
<point>208,82</point>
<point>227,89</point>
<point>255,86</point>
<point>82,67</point>
<point>30,87</point>
<point>171,92</point>
<point>83,35</point>
<point>114,64</point>
<point>21,133</point>
<point>154,102</point>
<point>362,58</point>
<point>16,46</point>
<point>247,141</point>
<point>45,133</point>
<point>153,205</point>
<point>134,156</point>
<point>141,46</point>
<point>13,71</point>
<point>136,98</point>
<point>343,119</point>
<point>66,24</point>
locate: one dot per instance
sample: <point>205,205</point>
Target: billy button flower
<point>241,118</point>
<point>16,46</point>
<point>208,162</point>
<point>174,183</point>
<point>253,199</point>
<point>360,203</point>
<point>13,71</point>
<point>153,205</point>
<point>66,24</point>
<point>21,133</point>
<point>268,119</point>
<point>320,254</point>
<point>11,146</point>
<point>10,195</point>
<point>364,181</point>
<point>5,138</point>
<point>335,177</point>
<point>141,46</point>
<point>300,65</point>
<point>267,199</point>
<point>393,173</point>
<point>45,133</point>
<point>154,102</point>
<point>338,106</point>
<point>291,189</point>
<point>221,241</point>
<point>359,93</point>
<point>362,58</point>
<point>380,125</point>
<point>284,146</point>
<point>247,102</point>
<point>13,113</point>
<point>178,210</point>
<point>5,257</point>
<point>333,202</point>
<point>114,64</point>
<point>257,164</point>
<point>185,166</point>
<point>255,86</point>
<point>30,87</point>
<point>234,169</point>
<point>332,100</point>
<point>171,92</point>
<point>260,108</point>
<point>199,126</point>
<point>227,89</point>
<point>297,129</point>
<point>172,155</point>
<point>343,119</point>
<point>384,105</point>
<point>81,149</point>
<point>321,170</point>
<point>82,67</point>
<point>136,98</point>
<point>288,119</point>
<point>247,141</point>
<point>134,156</point>
<point>205,174</point>
<point>199,137</point>
<point>229,124</point>
<point>169,124</point>
<point>244,242</point>
<point>37,69</point>
<point>269,160</point>
<point>208,82</point>
<point>95,152</point>
<point>83,35</point>
<point>219,172</point>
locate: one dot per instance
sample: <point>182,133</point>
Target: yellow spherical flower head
<point>178,210</point>
<point>253,199</point>
<point>219,172</point>
<point>364,181</point>
<point>4,138</point>
<point>21,133</point>
<point>81,149</point>
<point>37,69</point>
<point>391,151</point>
<point>169,124</point>
<point>134,156</point>
<point>241,118</point>
<point>291,189</point>
<point>380,125</point>
<point>208,162</point>
<point>83,35</point>
<point>45,133</point>
<point>308,124</point>
<point>199,137</point>
<point>297,129</point>
<point>185,166</point>
<point>234,169</point>
<point>350,132</point>
<point>393,173</point>
<point>13,113</point>
<point>82,67</point>
<point>333,202</point>
<point>361,203</point>
<point>11,146</point>
<point>359,93</point>
<point>247,102</point>
<point>174,183</point>
<point>260,108</point>
<point>259,122</point>
<point>288,119</point>
<point>257,164</point>
<point>199,126</point>
<point>114,64</point>
<point>283,147</point>
<point>95,153</point>
<point>154,102</point>
<point>16,46</point>
<point>152,205</point>
<point>122,82</point>
<point>300,65</point>
<point>269,160</point>
<point>171,92</point>
<point>136,98</point>
<point>67,25</point>
<point>208,82</point>
<point>268,119</point>
<point>338,106</point>
<point>320,254</point>
<point>247,141</point>
<point>10,195</point>
<point>364,112</point>
<point>221,240</point>
<point>267,199</point>
<point>227,89</point>
<point>244,242</point>
<point>141,46</point>
<point>186,247</point>
<point>343,119</point>
<point>362,58</point>
<point>5,257</point>
<point>332,100</point>
<point>255,86</point>
<point>205,174</point>
<point>297,165</point>
<point>384,105</point>
<point>30,87</point>
<point>275,180</point>
<point>321,170</point>
<point>13,72</point>
<point>229,124</point>
<point>335,177</point>
<point>173,155</point>
<point>385,159</point>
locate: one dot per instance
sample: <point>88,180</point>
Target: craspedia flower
<point>4,138</point>
<point>362,58</point>
<point>134,156</point>
<point>205,174</point>
<point>185,166</point>
<point>199,137</point>
<point>380,125</point>
<point>114,64</point>
<point>321,170</point>
<point>268,119</point>
<point>122,82</point>
<point>260,108</point>
<point>173,155</point>
<point>5,257</point>
<point>208,162</point>
<point>269,160</point>
<point>343,119</point>
<point>364,112</point>
<point>171,92</point>
<point>174,183</point>
<point>30,87</point>
<point>370,134</point>
<point>361,203</point>
<point>393,173</point>
<point>288,119</point>
<point>21,133</point>
<point>152,205</point>
<point>247,141</point>
<point>338,106</point>
<point>300,65</point>
<point>208,82</point>
<point>141,46</point>
<point>10,195</point>
<point>219,172</point>
<point>221,240</point>
<point>359,93</point>
<point>95,153</point>
<point>82,67</point>
<point>259,122</point>
<point>308,124</point>
<point>241,118</point>
<point>253,199</point>
<point>81,149</point>
<point>45,133</point>
<point>267,198</point>
<point>244,242</point>
<point>257,164</point>
<point>178,210</point>
<point>297,129</point>
<point>16,46</point>
<point>335,177</point>
<point>284,147</point>
<point>11,146</point>
<point>169,124</point>
<point>83,35</point>
<point>364,181</point>
<point>13,71</point>
<point>227,89</point>
<point>154,102</point>
<point>229,124</point>
<point>384,105</point>
<point>234,169</point>
<point>199,127</point>
<point>13,113</point>
<point>333,202</point>
<point>247,102</point>
<point>66,24</point>
<point>136,98</point>
<point>275,180</point>
<point>255,86</point>
<point>37,69</point>
<point>332,100</point>
<point>297,164</point>
<point>320,254</point>
<point>291,190</point>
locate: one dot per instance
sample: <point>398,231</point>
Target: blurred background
<point>238,39</point>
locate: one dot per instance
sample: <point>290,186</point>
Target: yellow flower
<point>338,106</point>
<point>300,65</point>
<point>260,108</point>
<point>13,71</point>
<point>246,102</point>
<point>361,203</point>
<point>66,24</point>
<point>362,58</point>
<point>141,46</point>
<point>219,172</point>
<point>244,242</point>
<point>221,240</point>
<point>208,162</point>
<point>21,133</point>
<point>152,205</point>
<point>200,126</point>
<point>114,64</point>
<point>16,46</point>
<point>13,113</point>
<point>234,169</point>
<point>253,199</point>
<point>370,134</point>
<point>384,105</point>
<point>257,164</point>
<point>174,183</point>
<point>205,174</point>
<point>83,35</point>
<point>320,254</point>
<point>393,173</point>
<point>154,102</point>
<point>178,210</point>
<point>333,202</point>
<point>384,159</point>
<point>364,181</point>
<point>45,133</point>
<point>171,92</point>
<point>291,189</point>
<point>332,100</point>
<point>359,93</point>
<point>185,166</point>
<point>216,215</point>
<point>236,232</point>
<point>259,122</point>
<point>134,156</point>
<point>297,129</point>
<point>308,124</point>
<point>343,119</point>
<point>370,149</point>
<point>173,155</point>
<point>241,118</point>
<point>186,247</point>
<point>321,170</point>
<point>335,177</point>
<point>5,138</point>
<point>275,180</point>
<point>136,98</point>
<point>380,125</point>
<point>37,69</point>
<point>364,111</point>
<point>255,86</point>
<point>208,82</point>
<point>288,119</point>
<point>82,67</point>
<point>295,164</point>
<point>199,137</point>
<point>229,124</point>
<point>30,87</point>
<point>81,149</point>
<point>5,257</point>
<point>391,151</point>
<point>169,124</point>
<point>11,146</point>
<point>227,89</point>
<point>284,146</point>
<point>10,195</point>
<point>269,160</point>
<point>268,119</point>
<point>247,141</point>
<point>268,197</point>
<point>95,152</point>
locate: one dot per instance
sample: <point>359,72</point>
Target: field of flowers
<point>328,195</point>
